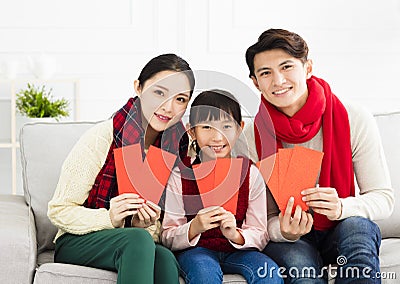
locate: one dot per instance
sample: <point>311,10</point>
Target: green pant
<point>129,251</point>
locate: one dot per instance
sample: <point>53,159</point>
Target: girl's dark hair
<point>166,62</point>
<point>217,104</point>
<point>290,42</point>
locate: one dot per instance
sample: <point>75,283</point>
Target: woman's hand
<point>146,216</point>
<point>206,219</point>
<point>123,206</point>
<point>229,230</point>
<point>292,228</point>
<point>323,200</point>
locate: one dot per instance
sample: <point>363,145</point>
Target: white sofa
<point>26,236</point>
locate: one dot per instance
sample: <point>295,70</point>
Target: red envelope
<point>302,173</point>
<point>268,168</point>
<point>127,158</point>
<point>284,160</point>
<point>146,178</point>
<point>294,170</point>
<point>219,182</point>
<point>284,157</point>
<point>205,179</point>
<point>227,182</point>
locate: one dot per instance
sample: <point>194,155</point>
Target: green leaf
<point>37,102</point>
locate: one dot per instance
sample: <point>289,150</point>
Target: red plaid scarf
<point>128,130</point>
<point>322,108</point>
<point>213,239</point>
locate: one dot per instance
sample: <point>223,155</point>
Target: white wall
<point>355,44</point>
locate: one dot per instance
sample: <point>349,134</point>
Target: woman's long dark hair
<point>166,62</point>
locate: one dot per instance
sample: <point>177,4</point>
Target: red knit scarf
<point>128,130</point>
<point>213,239</point>
<point>322,108</point>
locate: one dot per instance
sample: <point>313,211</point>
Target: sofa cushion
<point>50,273</point>
<point>389,128</point>
<point>44,147</point>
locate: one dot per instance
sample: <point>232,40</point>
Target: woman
<point>86,206</point>
<point>304,111</point>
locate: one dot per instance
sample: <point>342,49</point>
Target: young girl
<point>211,242</point>
<point>86,207</point>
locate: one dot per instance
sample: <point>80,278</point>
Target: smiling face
<point>281,78</point>
<point>164,98</point>
<point>216,138</point>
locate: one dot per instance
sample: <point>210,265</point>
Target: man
<point>304,111</point>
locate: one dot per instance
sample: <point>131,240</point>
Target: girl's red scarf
<point>322,108</point>
<point>128,130</point>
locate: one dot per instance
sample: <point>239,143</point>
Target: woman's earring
<point>193,145</point>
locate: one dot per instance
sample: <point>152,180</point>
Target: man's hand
<point>123,206</point>
<point>292,228</point>
<point>323,200</point>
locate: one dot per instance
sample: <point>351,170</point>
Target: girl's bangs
<point>209,113</point>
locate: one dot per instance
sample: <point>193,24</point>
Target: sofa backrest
<point>44,147</point>
<point>389,128</point>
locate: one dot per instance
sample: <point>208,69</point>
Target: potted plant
<point>36,102</point>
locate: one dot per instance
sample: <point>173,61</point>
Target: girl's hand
<point>123,206</point>
<point>146,216</point>
<point>206,219</point>
<point>323,200</point>
<point>229,230</point>
<point>292,228</point>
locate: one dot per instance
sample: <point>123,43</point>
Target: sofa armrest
<point>17,240</point>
